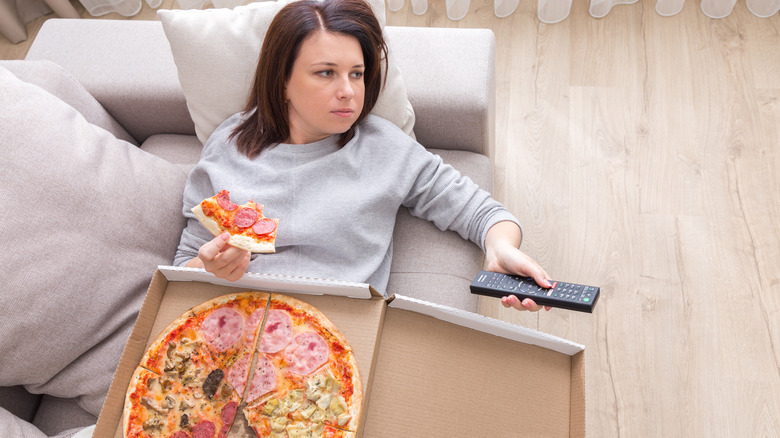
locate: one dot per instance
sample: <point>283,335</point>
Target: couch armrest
<point>450,78</point>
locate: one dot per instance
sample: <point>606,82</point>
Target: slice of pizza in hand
<point>248,228</point>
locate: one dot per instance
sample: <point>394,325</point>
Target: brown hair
<point>269,124</point>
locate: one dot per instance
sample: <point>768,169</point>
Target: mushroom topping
<point>171,350</point>
<point>184,405</point>
<point>152,424</point>
<point>226,390</point>
<point>149,403</point>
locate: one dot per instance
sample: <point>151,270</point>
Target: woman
<point>306,147</point>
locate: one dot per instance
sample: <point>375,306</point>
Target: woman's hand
<point>503,255</point>
<point>221,259</point>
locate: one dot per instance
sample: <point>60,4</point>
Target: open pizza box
<point>427,370</point>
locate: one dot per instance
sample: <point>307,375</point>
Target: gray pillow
<point>52,78</point>
<point>86,220</point>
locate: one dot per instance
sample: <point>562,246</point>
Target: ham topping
<point>222,328</point>
<point>277,333</point>
<point>264,380</point>
<point>307,352</point>
<point>252,322</point>
<point>239,373</point>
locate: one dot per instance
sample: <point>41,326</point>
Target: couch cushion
<point>181,150</point>
<point>88,219</point>
<point>427,270</point>
<point>216,52</point>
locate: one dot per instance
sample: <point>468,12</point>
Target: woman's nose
<point>345,89</point>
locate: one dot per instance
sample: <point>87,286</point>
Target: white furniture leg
<point>10,24</point>
<point>63,8</point>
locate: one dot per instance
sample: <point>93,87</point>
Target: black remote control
<point>561,295</point>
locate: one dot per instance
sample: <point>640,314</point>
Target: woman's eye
<point>325,73</point>
<point>357,74</point>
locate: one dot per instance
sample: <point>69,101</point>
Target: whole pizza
<point>276,359</point>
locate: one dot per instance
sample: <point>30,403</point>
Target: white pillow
<point>216,52</point>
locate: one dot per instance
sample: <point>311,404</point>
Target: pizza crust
<point>229,298</point>
<point>153,349</point>
<point>128,402</point>
<point>243,242</point>
<point>357,393</point>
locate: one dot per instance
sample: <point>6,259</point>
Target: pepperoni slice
<point>204,429</point>
<point>264,226</point>
<point>229,412</point>
<point>307,352</point>
<point>222,328</point>
<point>264,380</point>
<point>245,217</point>
<point>223,199</point>
<point>277,333</point>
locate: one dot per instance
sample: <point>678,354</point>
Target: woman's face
<point>325,91</point>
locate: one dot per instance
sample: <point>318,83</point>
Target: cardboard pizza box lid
<point>427,369</point>
<point>472,376</point>
<point>276,283</point>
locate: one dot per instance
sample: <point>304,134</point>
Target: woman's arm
<point>503,255</point>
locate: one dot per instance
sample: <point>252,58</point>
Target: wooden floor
<point>642,154</point>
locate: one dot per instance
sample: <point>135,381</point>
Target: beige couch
<point>88,115</point>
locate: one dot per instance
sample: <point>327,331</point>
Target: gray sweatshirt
<point>337,205</point>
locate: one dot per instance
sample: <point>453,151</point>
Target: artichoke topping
<point>270,407</point>
<point>278,424</point>
<point>337,405</point>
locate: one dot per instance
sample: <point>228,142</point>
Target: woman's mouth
<point>343,112</point>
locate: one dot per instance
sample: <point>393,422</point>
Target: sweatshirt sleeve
<point>194,234</point>
<point>453,201</point>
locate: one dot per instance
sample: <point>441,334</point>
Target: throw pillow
<point>216,52</point>
<point>88,219</point>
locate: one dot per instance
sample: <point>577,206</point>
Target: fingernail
<point>224,236</point>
